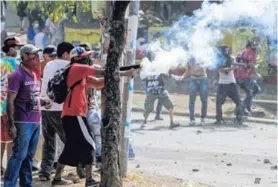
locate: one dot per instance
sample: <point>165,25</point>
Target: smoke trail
<point>198,35</point>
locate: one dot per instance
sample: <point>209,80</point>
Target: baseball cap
<point>12,42</point>
<point>51,50</point>
<point>28,48</point>
<point>80,52</point>
<point>64,47</point>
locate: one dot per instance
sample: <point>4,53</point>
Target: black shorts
<point>80,146</point>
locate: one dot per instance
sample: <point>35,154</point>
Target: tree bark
<point>110,175</point>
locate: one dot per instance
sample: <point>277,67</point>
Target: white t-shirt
<point>48,73</point>
<point>226,78</point>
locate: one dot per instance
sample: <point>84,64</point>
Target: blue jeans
<point>251,89</point>
<point>198,86</point>
<point>21,160</point>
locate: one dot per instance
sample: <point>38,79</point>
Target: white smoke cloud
<point>206,27</point>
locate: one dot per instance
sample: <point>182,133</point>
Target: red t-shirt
<point>79,103</point>
<point>245,72</point>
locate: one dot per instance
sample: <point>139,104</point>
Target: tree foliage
<point>55,10</point>
<point>158,13</point>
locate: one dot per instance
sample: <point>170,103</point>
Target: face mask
<point>86,61</point>
<point>36,25</point>
<point>34,65</point>
<point>2,26</point>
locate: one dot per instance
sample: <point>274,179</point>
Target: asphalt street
<point>221,156</point>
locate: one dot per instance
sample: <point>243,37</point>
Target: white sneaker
<point>192,123</point>
<point>203,122</point>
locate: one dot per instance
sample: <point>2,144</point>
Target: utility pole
<point>128,82</point>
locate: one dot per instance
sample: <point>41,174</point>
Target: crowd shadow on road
<point>228,127</point>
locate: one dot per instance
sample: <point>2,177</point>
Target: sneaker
<point>91,183</point>
<point>246,113</point>
<point>203,122</point>
<point>192,122</point>
<point>220,122</point>
<point>60,182</point>
<point>144,124</point>
<point>174,125</point>
<point>158,118</point>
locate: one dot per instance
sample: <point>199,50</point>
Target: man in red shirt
<point>246,74</point>
<point>79,146</point>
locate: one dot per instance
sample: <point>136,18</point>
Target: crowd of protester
<point>71,129</point>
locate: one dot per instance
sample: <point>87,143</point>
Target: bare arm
<point>176,77</point>
<point>99,72</point>
<point>10,111</point>
<point>128,73</point>
<point>97,83</point>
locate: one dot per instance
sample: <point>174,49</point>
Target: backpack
<point>57,88</point>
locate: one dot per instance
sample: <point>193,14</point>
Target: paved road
<point>177,152</point>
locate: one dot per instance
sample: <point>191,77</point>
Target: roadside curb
<point>255,101</point>
<point>186,114</point>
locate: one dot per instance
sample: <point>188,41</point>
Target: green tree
<point>58,11</point>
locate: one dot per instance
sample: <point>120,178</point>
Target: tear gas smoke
<point>198,35</point>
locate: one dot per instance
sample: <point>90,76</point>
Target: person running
<point>23,109</point>
<point>198,83</point>
<point>8,64</point>
<point>51,118</point>
<point>246,75</point>
<point>79,146</point>
<point>156,90</point>
<point>227,86</point>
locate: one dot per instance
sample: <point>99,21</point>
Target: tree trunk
<point>110,175</point>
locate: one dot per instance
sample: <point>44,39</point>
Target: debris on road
<point>222,161</point>
<point>258,160</point>
<point>257,180</point>
<point>175,162</point>
<point>273,167</point>
<point>224,153</point>
<point>229,164</point>
<point>137,166</point>
<point>195,170</point>
<point>198,132</point>
<point>266,161</point>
